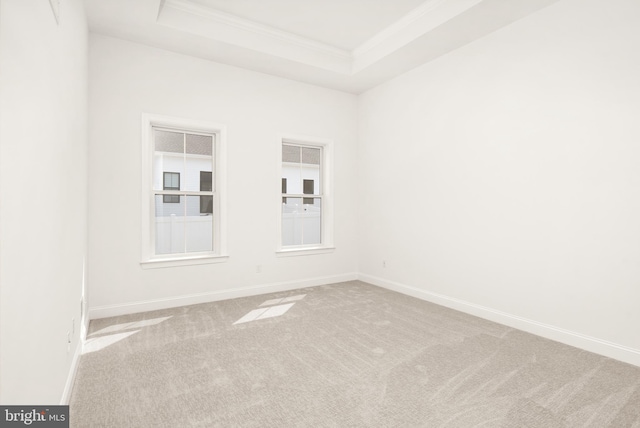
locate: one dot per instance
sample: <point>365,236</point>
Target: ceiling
<point>349,45</point>
<point>344,24</point>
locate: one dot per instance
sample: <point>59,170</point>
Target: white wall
<point>505,175</point>
<point>128,79</point>
<point>43,137</point>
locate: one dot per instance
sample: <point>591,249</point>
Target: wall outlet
<point>258,268</point>
<point>384,263</point>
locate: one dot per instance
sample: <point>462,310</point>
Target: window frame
<point>148,257</point>
<point>325,184</point>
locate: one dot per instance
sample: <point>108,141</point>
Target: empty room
<point>320,213</point>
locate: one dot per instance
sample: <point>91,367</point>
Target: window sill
<point>304,251</point>
<point>182,261</point>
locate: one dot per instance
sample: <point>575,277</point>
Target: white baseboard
<point>578,340</point>
<point>193,299</point>
<point>71,377</point>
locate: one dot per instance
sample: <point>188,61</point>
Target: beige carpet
<point>342,355</point>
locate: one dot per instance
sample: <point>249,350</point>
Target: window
<point>206,201</point>
<point>171,181</point>
<point>183,182</point>
<point>308,189</point>
<point>305,215</point>
<point>284,190</point>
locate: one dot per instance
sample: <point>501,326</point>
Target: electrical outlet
<point>384,263</point>
<point>258,268</point>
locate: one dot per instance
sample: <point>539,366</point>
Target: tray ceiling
<point>349,45</point>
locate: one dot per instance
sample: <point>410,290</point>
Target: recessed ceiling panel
<point>345,24</point>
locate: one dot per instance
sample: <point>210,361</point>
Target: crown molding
<point>418,23</point>
<point>199,19</point>
<point>223,18</point>
<point>397,27</point>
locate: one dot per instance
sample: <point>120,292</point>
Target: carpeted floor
<point>341,355</point>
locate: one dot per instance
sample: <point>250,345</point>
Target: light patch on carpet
<point>262,313</point>
<point>99,343</point>
<point>130,325</point>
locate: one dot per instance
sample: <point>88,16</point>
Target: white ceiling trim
<point>245,24</point>
<point>198,19</point>
<point>397,26</point>
<point>412,26</point>
<point>185,15</point>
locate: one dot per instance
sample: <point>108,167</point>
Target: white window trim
<point>326,236</point>
<point>148,258</point>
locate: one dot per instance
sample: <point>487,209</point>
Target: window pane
<point>198,159</point>
<point>168,155</point>
<point>199,145</point>
<point>301,222</point>
<point>291,154</point>
<point>171,181</point>
<point>292,222</point>
<point>167,171</point>
<point>206,183</point>
<point>206,204</point>
<point>284,189</point>
<point>291,172</point>
<point>169,225</point>
<point>194,177</point>
<point>293,176</point>
<point>308,189</point>
<point>308,186</point>
<point>167,141</point>
<point>311,222</point>
<point>311,173</point>
<point>311,155</point>
<point>198,228</point>
<point>171,199</point>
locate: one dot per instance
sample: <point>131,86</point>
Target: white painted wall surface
<point>506,174</point>
<point>43,185</point>
<point>128,79</point>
